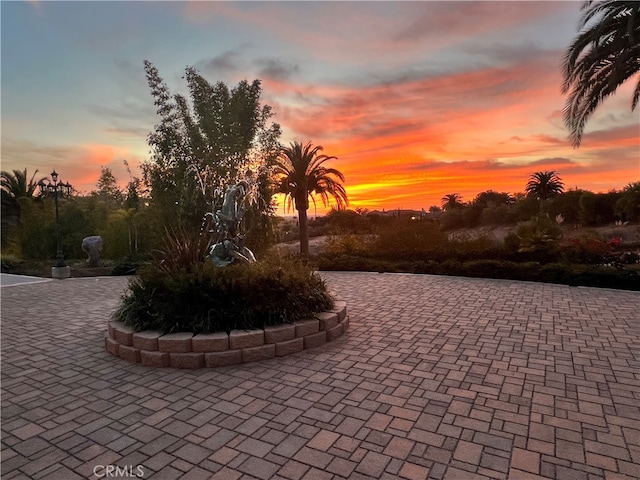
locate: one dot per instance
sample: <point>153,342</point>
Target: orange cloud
<point>76,164</point>
<point>408,142</point>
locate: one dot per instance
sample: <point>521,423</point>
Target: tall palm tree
<point>605,54</point>
<point>544,185</point>
<point>451,201</point>
<point>302,175</point>
<point>14,185</point>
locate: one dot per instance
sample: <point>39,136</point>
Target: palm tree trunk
<point>303,226</point>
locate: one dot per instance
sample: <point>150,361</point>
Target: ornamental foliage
<point>200,148</point>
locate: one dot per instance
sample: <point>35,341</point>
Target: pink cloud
<point>325,28</point>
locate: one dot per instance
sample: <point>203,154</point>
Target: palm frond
<point>604,55</point>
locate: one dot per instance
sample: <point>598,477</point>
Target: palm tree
<point>604,55</point>
<point>451,201</point>
<point>302,175</point>
<point>14,186</point>
<point>544,185</point>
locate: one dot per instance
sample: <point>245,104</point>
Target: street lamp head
<point>54,176</point>
<point>43,186</point>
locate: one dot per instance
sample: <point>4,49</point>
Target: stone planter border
<point>186,350</point>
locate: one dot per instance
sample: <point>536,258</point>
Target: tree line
<point>543,194</point>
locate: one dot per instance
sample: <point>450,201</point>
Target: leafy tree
<point>453,218</point>
<point>302,175</point>
<point>204,148</point>
<point>132,193</point>
<point>108,190</point>
<point>471,215</point>
<point>627,206</point>
<point>34,237</point>
<point>120,233</point>
<point>75,224</point>
<point>493,199</point>
<point>524,208</point>
<point>544,185</point>
<point>495,215</point>
<point>487,207</point>
<point>452,201</point>
<point>566,204</point>
<point>347,221</point>
<point>604,55</point>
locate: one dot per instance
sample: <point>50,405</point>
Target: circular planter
<point>186,350</point>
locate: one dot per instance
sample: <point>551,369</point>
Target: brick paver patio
<point>438,377</point>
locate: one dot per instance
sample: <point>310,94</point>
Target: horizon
<point>416,99</point>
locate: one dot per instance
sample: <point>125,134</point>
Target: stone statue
<point>92,246</point>
<point>229,243</point>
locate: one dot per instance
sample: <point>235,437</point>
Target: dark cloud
<point>424,24</point>
<point>630,133</point>
<point>226,62</point>
<point>447,22</point>
<point>431,164</point>
<point>130,70</point>
<point>132,117</point>
<point>391,129</point>
<point>550,140</point>
<point>133,113</point>
<point>17,151</point>
<point>513,54</point>
<point>138,132</point>
<point>490,164</point>
<point>276,69</point>
<point>125,111</point>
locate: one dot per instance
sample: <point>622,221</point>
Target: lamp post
<point>56,189</point>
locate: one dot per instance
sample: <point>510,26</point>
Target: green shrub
<point>196,296</point>
<point>605,277</point>
<point>452,219</point>
<point>486,269</point>
<point>588,249</point>
<point>627,279</point>
<point>350,263</point>
<point>539,239</point>
<point>407,239</point>
<point>553,273</point>
<point>9,263</point>
<point>127,266</point>
<point>348,244</point>
<point>474,248</point>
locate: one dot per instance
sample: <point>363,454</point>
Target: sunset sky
<point>417,99</point>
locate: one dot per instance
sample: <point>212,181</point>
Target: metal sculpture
<point>227,242</point>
